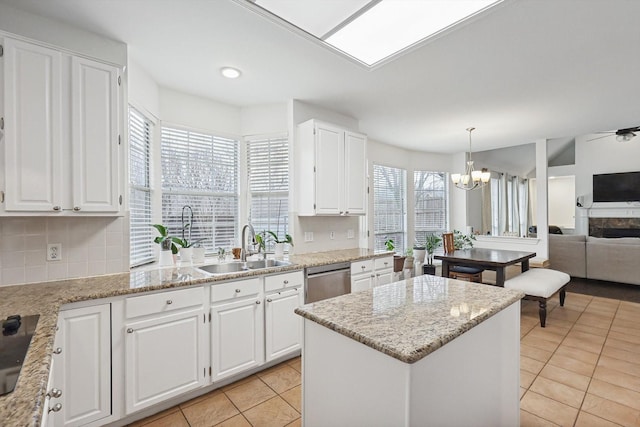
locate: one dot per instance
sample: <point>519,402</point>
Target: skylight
<point>372,31</point>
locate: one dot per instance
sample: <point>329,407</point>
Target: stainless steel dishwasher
<point>327,281</point>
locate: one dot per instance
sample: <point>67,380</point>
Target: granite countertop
<point>23,406</point>
<point>412,318</point>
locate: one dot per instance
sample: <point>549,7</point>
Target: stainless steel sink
<point>266,263</point>
<point>234,267</point>
<point>231,267</point>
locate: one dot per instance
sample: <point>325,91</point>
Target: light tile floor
<point>582,370</point>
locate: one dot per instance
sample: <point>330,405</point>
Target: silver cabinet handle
<point>169,302</point>
<point>346,212</point>
<point>56,208</point>
<point>57,350</point>
<point>386,263</point>
<point>373,275</point>
<point>76,208</point>
<point>129,330</point>
<point>258,302</point>
<point>269,300</point>
<point>238,291</point>
<point>378,275</point>
<point>286,282</point>
<point>56,407</point>
<point>55,392</point>
<point>363,267</point>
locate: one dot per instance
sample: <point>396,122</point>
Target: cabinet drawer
<point>365,266</point>
<point>235,290</point>
<point>285,280</point>
<point>384,263</point>
<point>163,302</point>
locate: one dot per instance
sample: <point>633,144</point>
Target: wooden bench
<point>540,284</point>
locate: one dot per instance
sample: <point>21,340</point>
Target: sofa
<point>610,259</point>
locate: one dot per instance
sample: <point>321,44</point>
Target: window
<point>431,210</point>
<point>141,234</point>
<point>268,183</point>
<point>389,206</point>
<point>200,171</point>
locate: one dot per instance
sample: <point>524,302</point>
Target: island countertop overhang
<point>410,319</point>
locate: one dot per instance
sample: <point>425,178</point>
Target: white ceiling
<point>528,69</point>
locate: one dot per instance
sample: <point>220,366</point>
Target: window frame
<point>399,235</point>
<point>424,231</point>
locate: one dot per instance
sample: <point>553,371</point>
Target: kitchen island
<point>425,351</point>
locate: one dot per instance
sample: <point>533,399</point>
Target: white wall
<point>144,93</point>
<point>199,113</point>
<point>90,246</point>
<point>264,119</point>
<point>604,155</point>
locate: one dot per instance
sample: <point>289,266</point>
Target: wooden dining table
<point>487,259</point>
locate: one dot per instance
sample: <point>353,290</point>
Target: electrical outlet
<point>350,234</point>
<point>332,235</point>
<point>308,236</point>
<point>54,251</point>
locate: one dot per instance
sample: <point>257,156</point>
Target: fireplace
<point>614,227</point>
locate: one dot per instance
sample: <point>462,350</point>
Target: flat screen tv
<point>616,187</point>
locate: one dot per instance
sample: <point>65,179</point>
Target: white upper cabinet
<point>61,145</point>
<point>330,170</point>
<point>32,127</point>
<point>94,92</point>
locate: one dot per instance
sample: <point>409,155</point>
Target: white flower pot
<point>186,255</point>
<point>279,250</point>
<point>166,258</point>
<point>418,255</point>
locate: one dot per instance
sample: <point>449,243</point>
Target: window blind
<point>431,204</point>
<point>268,184</point>
<point>141,234</point>
<point>389,206</point>
<point>200,171</point>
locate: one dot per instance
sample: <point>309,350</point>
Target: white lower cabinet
<point>283,328</point>
<point>81,367</point>
<point>371,272</point>
<point>165,350</point>
<point>237,327</point>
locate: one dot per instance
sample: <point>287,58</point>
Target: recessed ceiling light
<point>230,73</point>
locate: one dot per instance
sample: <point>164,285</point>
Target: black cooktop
<point>14,343</point>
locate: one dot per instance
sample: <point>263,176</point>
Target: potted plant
<point>432,243</point>
<point>462,241</point>
<point>186,245</point>
<point>408,260</point>
<point>279,243</point>
<point>167,244</point>
<point>398,260</point>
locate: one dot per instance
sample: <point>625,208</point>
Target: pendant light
<point>471,178</point>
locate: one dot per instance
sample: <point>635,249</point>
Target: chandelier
<point>471,178</point>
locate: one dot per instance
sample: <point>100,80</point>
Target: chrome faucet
<point>243,251</point>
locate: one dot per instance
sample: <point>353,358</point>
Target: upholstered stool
<point>470,274</point>
<point>540,284</point>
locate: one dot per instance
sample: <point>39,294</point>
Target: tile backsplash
<point>91,246</point>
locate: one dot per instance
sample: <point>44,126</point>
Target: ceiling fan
<point>622,135</point>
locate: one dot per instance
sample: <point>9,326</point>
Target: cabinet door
<point>94,121</point>
<point>33,126</point>
<point>237,337</point>
<point>384,277</point>
<point>82,365</point>
<point>361,282</point>
<point>283,327</point>
<point>164,357</point>
<point>329,170</point>
<point>355,173</point>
